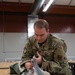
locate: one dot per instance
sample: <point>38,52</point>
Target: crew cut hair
<point>41,23</point>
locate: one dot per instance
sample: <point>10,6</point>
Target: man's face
<point>40,34</point>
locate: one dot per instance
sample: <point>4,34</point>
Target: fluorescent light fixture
<point>47,5</point>
<point>42,2</point>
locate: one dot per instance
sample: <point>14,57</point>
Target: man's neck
<point>42,43</point>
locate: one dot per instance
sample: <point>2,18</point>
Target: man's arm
<point>59,65</point>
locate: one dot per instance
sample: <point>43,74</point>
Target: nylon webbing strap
<point>37,67</point>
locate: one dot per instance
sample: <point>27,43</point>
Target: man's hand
<point>29,65</point>
<point>39,59</point>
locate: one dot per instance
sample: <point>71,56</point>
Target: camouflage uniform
<point>53,52</point>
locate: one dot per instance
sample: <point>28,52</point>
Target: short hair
<point>41,23</point>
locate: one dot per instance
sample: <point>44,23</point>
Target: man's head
<point>41,30</point>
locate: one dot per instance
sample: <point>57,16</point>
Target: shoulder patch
<point>59,55</point>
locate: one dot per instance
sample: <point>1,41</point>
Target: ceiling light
<point>42,2</point>
<point>47,5</point>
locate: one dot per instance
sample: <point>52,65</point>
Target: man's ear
<point>48,30</point>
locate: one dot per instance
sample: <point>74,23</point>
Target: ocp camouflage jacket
<point>53,52</point>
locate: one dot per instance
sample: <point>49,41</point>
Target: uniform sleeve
<point>54,66</point>
<point>60,64</point>
<point>61,60</point>
<point>27,53</point>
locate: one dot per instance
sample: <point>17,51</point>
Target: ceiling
<point>34,6</point>
<point>56,2</point>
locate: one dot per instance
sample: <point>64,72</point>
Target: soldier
<point>49,50</point>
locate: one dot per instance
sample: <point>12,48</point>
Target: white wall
<point>12,44</point>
